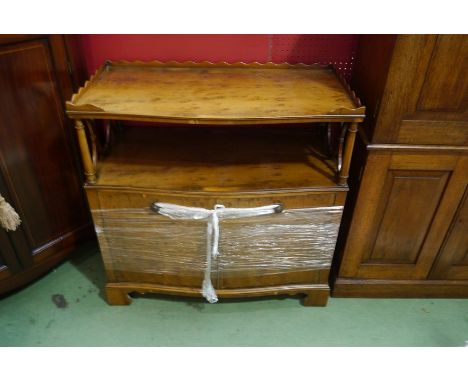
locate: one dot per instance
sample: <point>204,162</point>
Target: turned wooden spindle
<point>348,151</point>
<point>89,170</point>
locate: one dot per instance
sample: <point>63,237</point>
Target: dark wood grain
<point>37,179</point>
<point>37,162</point>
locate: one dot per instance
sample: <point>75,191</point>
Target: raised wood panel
<point>446,82</point>
<point>402,215</point>
<point>408,204</point>
<point>453,258</point>
<point>35,157</point>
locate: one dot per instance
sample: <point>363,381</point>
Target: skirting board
<point>400,288</point>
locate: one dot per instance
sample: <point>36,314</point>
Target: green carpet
<point>66,308</point>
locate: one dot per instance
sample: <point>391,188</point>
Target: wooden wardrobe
<point>407,231</point>
<point>39,167</point>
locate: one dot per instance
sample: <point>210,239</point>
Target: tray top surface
<point>214,93</point>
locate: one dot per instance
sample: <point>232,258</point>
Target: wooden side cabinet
<point>39,166</point>
<point>241,200</point>
<point>407,234</point>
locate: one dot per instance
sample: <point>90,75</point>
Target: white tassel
<point>9,219</point>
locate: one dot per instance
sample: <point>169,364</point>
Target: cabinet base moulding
<point>400,288</point>
<point>315,295</point>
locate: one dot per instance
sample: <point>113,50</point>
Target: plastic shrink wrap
<point>168,239</point>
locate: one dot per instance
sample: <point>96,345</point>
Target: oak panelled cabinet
<point>407,229</point>
<point>39,168</point>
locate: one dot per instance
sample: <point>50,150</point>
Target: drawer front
<point>138,245</point>
<point>124,198</point>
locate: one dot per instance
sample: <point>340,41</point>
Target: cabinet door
<point>36,160</point>
<point>294,247</point>
<point>423,96</point>
<point>452,263</point>
<point>405,205</point>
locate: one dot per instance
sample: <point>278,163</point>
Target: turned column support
<point>347,153</point>
<point>88,165</point>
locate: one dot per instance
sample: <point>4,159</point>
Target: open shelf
<point>232,159</point>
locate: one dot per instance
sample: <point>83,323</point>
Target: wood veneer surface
<point>221,93</point>
<point>216,160</point>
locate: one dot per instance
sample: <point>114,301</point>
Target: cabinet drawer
<point>139,245</point>
<point>110,198</point>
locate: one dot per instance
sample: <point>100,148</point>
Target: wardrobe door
<point>37,163</point>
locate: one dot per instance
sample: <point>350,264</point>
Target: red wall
<point>337,49</point>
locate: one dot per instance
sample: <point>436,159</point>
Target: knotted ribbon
<point>213,217</point>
